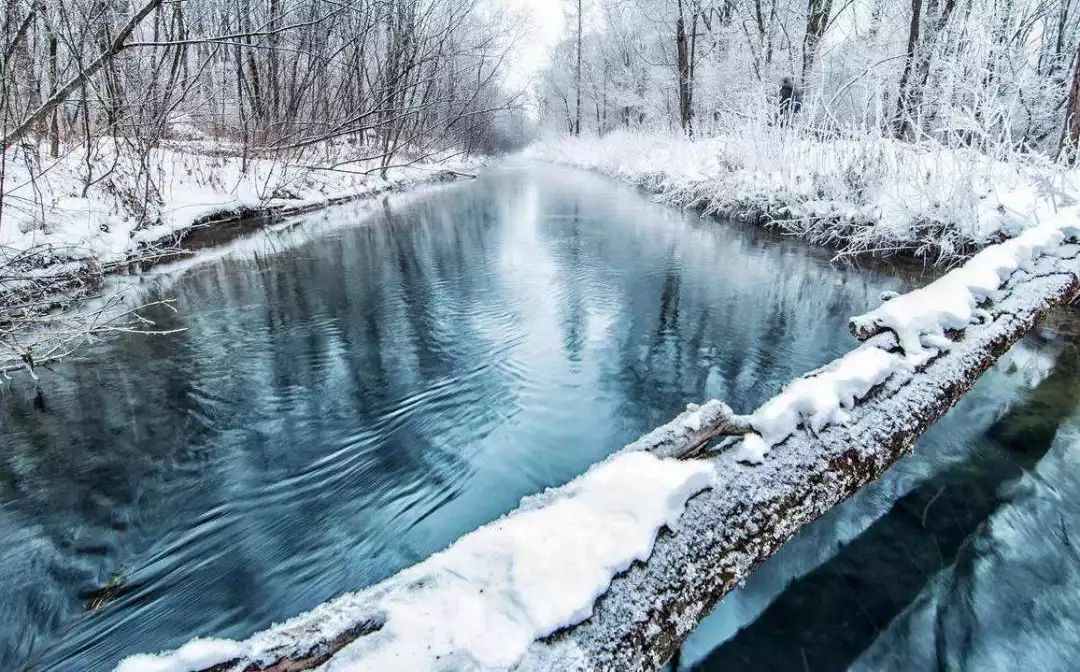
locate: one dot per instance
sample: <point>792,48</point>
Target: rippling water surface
<point>352,394</point>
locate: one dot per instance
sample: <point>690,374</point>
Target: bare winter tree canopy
<point>271,76</point>
<point>980,72</point>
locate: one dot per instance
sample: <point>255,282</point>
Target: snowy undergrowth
<point>483,601</point>
<point>868,195</point>
<point>105,202</point>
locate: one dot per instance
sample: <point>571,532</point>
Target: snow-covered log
<point>552,587</point>
<point>751,511</point>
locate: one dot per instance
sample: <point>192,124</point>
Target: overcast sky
<point>546,26</point>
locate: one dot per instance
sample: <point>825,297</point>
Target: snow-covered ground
<point>106,203</point>
<point>873,194</point>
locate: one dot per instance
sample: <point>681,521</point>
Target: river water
<point>350,394</point>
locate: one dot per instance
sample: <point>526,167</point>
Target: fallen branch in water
<point>33,341</point>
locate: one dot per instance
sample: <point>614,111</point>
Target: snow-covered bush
<point>869,194</point>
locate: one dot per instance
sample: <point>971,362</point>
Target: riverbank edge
<point>879,198</point>
<point>770,216</point>
<point>67,286</point>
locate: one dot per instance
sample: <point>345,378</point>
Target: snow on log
<point>482,602</point>
<point>920,318</point>
<point>752,510</point>
<point>613,570</point>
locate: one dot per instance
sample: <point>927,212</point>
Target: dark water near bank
<point>972,568</point>
<point>342,407</point>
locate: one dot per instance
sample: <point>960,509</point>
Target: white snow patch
<point>198,654</point>
<point>817,400</point>
<point>485,599</point>
<point>920,318</point>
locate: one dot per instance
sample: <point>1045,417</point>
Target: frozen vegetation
<point>920,127</point>
<point>871,194</point>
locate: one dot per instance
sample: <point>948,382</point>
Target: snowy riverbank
<point>874,195</point>
<point>89,209</point>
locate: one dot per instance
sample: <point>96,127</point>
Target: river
<point>351,393</point>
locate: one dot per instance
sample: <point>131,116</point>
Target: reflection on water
<point>343,408</point>
<point>1009,598</point>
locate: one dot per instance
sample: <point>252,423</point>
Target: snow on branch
<point>921,318</point>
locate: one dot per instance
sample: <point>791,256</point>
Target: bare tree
<point>577,75</point>
<point>1070,133</point>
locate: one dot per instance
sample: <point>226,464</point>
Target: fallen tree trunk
<point>639,623</point>
<point>728,531</point>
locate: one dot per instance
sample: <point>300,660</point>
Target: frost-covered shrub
<point>872,194</point>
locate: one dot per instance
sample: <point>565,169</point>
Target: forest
<point>987,74</point>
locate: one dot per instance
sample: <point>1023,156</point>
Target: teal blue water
<point>339,408</point>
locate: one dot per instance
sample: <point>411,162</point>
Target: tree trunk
<point>273,82</point>
<point>54,115</point>
<point>1070,132</point>
<point>817,21</point>
<point>685,66</point>
<point>901,120</point>
<point>577,74</point>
